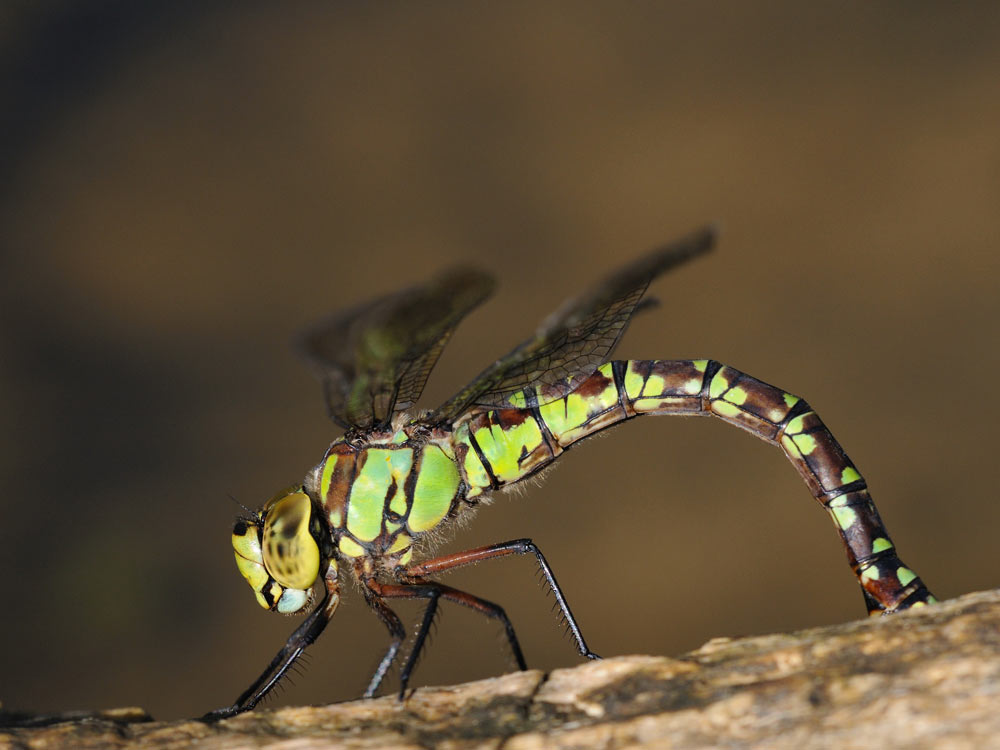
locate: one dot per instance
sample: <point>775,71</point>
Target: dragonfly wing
<point>374,359</point>
<point>576,339</point>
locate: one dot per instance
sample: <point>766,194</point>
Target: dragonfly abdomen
<point>503,446</point>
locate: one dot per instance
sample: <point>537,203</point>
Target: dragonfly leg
<point>303,636</point>
<point>433,591</point>
<point>397,634</point>
<point>503,549</point>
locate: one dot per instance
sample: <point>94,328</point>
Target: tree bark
<point>925,678</point>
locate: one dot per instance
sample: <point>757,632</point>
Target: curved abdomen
<point>503,446</point>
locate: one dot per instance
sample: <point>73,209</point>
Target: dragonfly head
<point>278,553</point>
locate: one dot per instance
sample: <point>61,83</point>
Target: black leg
<point>303,636</point>
<point>433,591</point>
<point>502,549</point>
<point>396,632</point>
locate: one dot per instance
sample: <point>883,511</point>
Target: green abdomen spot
<point>436,485</point>
<point>504,446</point>
<point>567,418</point>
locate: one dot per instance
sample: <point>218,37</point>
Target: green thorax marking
<point>435,490</point>
<point>380,477</point>
<point>378,497</point>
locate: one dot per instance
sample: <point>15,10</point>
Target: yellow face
<point>278,555</point>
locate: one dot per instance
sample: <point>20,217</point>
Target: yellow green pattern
<point>399,474</point>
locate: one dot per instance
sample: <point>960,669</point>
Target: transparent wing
<point>374,359</point>
<point>577,338</point>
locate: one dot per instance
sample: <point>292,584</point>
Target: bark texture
<point>923,679</point>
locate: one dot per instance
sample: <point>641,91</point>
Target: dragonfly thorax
<point>379,491</point>
<point>278,551</point>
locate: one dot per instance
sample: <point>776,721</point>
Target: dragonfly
<point>398,476</point>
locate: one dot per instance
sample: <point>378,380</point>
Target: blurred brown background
<point>185,185</point>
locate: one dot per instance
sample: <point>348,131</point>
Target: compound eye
<point>291,555</point>
<point>249,558</point>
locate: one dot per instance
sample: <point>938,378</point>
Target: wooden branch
<point>922,679</point>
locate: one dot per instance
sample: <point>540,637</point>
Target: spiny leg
<point>416,586</point>
<point>297,643</point>
<point>502,549</point>
<point>397,634</point>
<point>433,591</point>
<point>430,611</point>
